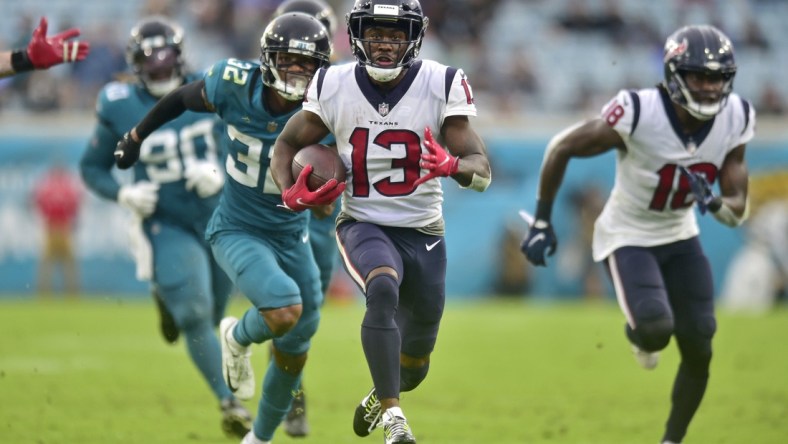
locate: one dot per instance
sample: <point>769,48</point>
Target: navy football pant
<point>403,314</point>
<point>666,291</point>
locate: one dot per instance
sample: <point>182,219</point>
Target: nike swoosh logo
<point>535,239</point>
<point>444,161</point>
<point>432,245</point>
<point>305,237</point>
<point>229,383</point>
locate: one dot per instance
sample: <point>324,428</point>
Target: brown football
<point>326,164</point>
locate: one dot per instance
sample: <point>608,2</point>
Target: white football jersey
<point>651,202</point>
<point>379,137</point>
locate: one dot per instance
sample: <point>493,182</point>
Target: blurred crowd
<point>522,56</point>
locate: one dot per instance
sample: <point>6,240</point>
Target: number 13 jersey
<point>651,201</point>
<point>379,137</point>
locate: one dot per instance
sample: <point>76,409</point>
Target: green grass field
<point>95,372</point>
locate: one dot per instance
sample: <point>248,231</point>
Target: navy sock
<point>380,336</point>
<point>688,390</point>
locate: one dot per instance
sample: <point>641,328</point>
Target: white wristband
<point>478,183</point>
<point>726,216</point>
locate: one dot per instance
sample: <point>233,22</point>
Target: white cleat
<point>647,360</point>
<point>236,362</point>
<point>251,439</point>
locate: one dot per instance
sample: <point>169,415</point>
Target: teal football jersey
<point>250,197</point>
<point>164,154</point>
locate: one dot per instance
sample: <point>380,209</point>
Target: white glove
<point>204,177</point>
<point>140,197</point>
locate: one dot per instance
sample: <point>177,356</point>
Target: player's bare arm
<point>733,189</point>
<point>462,141</point>
<point>303,129</point>
<point>586,139</point>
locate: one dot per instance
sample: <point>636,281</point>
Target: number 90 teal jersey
<point>164,155</point>
<point>250,196</point>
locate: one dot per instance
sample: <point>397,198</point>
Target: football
<point>326,165</point>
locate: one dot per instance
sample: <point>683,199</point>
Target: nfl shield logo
<point>272,126</point>
<point>383,109</point>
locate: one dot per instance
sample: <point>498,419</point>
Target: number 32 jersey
<point>379,137</point>
<point>651,201</point>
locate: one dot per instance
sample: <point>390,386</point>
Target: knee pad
<point>654,324</point>
<point>410,378</point>
<point>382,301</point>
<point>298,340</point>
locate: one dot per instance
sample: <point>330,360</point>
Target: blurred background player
<point>673,142</point>
<point>262,246</point>
<point>44,52</point>
<point>58,197</point>
<point>390,229</point>
<point>173,194</point>
<point>322,232</point>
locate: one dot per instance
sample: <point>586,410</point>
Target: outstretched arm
<point>44,52</point>
<point>188,97</point>
<point>584,139</point>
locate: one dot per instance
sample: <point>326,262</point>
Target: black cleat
<point>367,414</point>
<point>169,330</point>
<point>236,420</point>
<point>295,423</point>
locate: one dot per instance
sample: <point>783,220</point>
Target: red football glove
<point>299,198</point>
<point>45,52</point>
<point>438,161</point>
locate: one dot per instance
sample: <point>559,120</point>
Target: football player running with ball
<point>382,111</point>
<point>673,142</point>
<point>261,243</point>
<point>174,191</point>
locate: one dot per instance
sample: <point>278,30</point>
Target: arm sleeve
<point>97,162</point>
<point>187,97</point>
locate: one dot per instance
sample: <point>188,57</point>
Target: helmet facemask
<point>154,53</point>
<point>289,84</point>
<point>406,50</point>
<point>160,71</point>
<point>692,100</point>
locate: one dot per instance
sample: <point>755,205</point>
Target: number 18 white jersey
<point>379,137</point>
<point>651,202</point>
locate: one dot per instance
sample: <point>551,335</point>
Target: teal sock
<point>252,329</point>
<point>206,353</point>
<point>278,390</point>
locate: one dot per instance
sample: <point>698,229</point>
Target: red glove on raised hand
<point>299,198</point>
<point>438,161</point>
<point>45,52</point>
